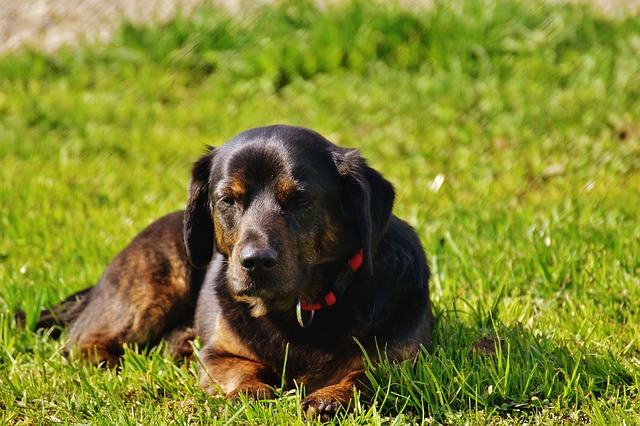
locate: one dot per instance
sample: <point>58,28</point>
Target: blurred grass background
<point>510,129</point>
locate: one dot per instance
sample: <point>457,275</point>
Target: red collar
<point>330,298</point>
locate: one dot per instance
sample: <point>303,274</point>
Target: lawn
<point>511,131</point>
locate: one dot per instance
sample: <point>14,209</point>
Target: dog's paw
<point>320,405</point>
<point>319,408</point>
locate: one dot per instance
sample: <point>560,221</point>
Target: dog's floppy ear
<point>368,198</point>
<point>198,219</point>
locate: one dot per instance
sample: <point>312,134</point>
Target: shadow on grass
<point>497,369</point>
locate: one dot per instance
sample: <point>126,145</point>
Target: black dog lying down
<point>287,246</point>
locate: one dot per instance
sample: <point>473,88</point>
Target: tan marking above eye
<point>233,188</point>
<point>286,189</point>
<point>237,188</point>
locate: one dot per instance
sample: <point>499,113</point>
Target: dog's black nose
<point>254,259</point>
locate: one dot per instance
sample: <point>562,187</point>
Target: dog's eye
<point>227,200</point>
<point>302,198</point>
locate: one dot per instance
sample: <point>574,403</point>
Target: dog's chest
<point>281,344</point>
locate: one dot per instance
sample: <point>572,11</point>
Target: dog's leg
<point>146,292</point>
<point>324,402</point>
<point>234,376</point>
<point>125,311</point>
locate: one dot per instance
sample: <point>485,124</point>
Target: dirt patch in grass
<point>50,24</point>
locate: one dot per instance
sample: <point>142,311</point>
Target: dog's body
<point>287,253</point>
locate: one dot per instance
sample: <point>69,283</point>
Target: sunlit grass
<point>511,131</point>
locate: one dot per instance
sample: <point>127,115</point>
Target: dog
<point>287,253</point>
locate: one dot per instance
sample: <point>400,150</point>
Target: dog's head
<point>282,203</point>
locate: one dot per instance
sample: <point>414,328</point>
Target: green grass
<point>510,129</point>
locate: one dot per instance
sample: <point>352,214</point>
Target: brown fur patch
<point>232,366</point>
<point>224,242</point>
<point>332,232</point>
<point>286,188</point>
<point>326,401</point>
<point>236,188</point>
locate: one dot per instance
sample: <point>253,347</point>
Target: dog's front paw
<point>320,407</point>
<point>326,402</point>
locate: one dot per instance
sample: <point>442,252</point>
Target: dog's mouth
<point>268,287</point>
<point>284,290</point>
<point>258,293</point>
<point>271,294</point>
<point>261,302</point>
